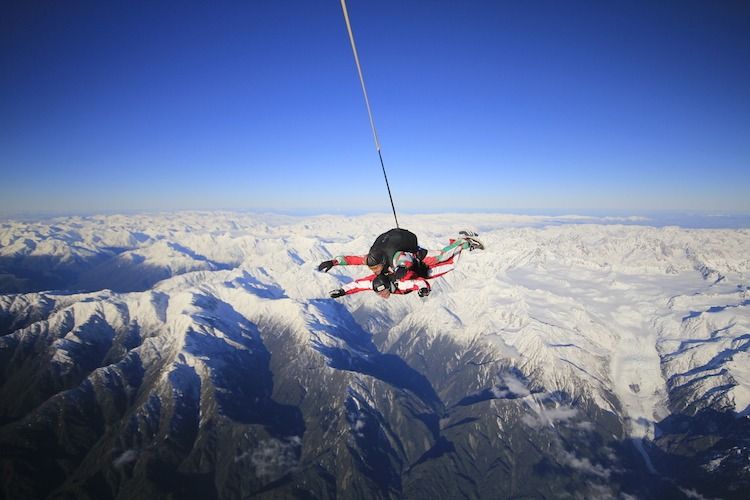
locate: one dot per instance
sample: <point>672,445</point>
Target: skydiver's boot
<point>471,237</point>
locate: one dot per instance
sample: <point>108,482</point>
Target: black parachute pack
<point>395,240</point>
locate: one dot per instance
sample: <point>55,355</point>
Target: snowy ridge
<point>640,322</point>
<point>582,300</point>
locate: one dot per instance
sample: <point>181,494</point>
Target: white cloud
<point>274,457</point>
<point>693,494</point>
<point>126,457</point>
<point>585,465</point>
<point>562,413</point>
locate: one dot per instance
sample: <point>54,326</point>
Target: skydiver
<point>410,277</point>
<point>394,252</point>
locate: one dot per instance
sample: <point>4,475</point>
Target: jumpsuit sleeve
<point>349,260</point>
<point>411,282</point>
<point>411,285</point>
<point>360,285</point>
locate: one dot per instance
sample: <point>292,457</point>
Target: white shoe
<point>471,237</point>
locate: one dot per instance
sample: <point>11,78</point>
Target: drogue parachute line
<point>367,103</point>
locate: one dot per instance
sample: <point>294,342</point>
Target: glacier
<point>197,353</point>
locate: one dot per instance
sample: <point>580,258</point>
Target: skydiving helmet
<point>376,258</point>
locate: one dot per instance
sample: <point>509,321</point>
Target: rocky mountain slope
<point>197,355</point>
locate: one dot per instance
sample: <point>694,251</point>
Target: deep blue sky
<point>479,105</point>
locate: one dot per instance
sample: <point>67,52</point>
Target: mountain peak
<point>204,347</point>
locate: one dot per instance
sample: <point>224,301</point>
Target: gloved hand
<point>423,292</point>
<point>339,292</point>
<point>399,273</point>
<point>326,266</point>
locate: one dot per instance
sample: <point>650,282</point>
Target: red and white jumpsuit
<point>438,263</point>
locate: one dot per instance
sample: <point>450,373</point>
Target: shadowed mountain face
<point>584,361</point>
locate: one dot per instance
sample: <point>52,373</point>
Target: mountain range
<point>197,355</point>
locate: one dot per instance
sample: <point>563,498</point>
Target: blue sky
<point>479,105</point>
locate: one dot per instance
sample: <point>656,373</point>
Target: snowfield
<point>630,310</point>
<point>641,322</point>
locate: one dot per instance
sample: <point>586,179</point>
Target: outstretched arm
<point>342,260</point>
<point>413,285</point>
<point>402,287</point>
<point>360,285</point>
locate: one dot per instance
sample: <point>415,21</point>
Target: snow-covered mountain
<point>197,354</point>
